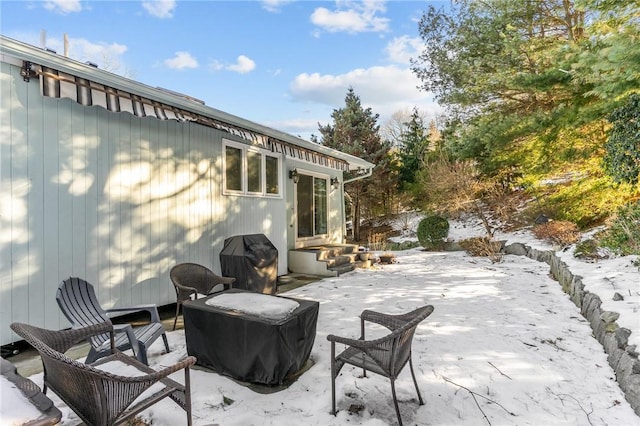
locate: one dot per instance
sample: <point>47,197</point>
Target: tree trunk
<point>356,217</point>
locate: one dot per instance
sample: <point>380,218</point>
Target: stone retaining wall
<point>622,357</point>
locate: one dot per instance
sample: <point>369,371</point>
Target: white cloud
<point>243,65</point>
<point>302,127</point>
<point>108,56</point>
<point>63,6</point>
<point>160,8</point>
<point>181,61</point>
<point>274,5</point>
<point>352,17</point>
<point>385,90</point>
<point>402,49</point>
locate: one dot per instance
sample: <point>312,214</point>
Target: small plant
<point>483,246</point>
<point>377,241</point>
<point>623,235</point>
<point>432,231</point>
<point>589,250</point>
<point>560,232</point>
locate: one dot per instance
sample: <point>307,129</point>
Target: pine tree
<point>414,142</point>
<point>355,131</point>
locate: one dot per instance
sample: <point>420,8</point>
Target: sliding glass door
<point>311,206</point>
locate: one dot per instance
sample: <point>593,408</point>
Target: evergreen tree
<point>356,132</point>
<point>622,158</point>
<point>413,144</point>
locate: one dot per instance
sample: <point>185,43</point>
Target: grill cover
<point>253,261</point>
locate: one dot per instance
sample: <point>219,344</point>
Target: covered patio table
<point>39,410</point>
<point>250,342</point>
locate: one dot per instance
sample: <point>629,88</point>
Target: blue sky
<point>283,64</point>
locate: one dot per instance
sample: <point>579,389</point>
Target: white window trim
<point>244,149</point>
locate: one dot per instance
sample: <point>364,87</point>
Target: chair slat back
<point>78,302</point>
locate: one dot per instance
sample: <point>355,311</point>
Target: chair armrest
<point>66,339</point>
<point>151,375</point>
<point>227,283</point>
<point>128,329</point>
<point>47,341</point>
<point>151,308</point>
<point>184,292</point>
<point>356,343</point>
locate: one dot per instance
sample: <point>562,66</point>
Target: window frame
<point>315,236</point>
<point>246,151</point>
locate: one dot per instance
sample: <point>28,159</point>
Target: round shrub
<point>432,230</point>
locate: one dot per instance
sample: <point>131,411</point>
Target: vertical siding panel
<point>51,210</point>
<point>136,243</point>
<point>36,210</point>
<point>103,228</point>
<point>7,102</point>
<point>19,209</point>
<point>114,271</point>
<point>63,177</point>
<point>218,217</point>
<point>125,247</point>
<point>162,226</point>
<point>207,194</point>
<point>92,143</point>
<point>77,187</point>
<point>145,278</point>
<point>175,208</point>
<point>193,229</point>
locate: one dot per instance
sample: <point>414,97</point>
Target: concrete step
<point>332,250</point>
<point>342,269</point>
<point>337,261</point>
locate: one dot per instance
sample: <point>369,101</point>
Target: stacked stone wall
<point>622,357</point>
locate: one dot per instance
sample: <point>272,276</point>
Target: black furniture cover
<point>50,414</point>
<point>247,347</point>
<point>253,261</point>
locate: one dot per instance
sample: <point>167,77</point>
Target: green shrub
<point>588,250</point>
<point>432,231</point>
<point>623,236</point>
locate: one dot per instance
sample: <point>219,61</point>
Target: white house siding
<point>112,198</point>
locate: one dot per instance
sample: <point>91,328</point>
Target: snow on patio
<point>504,346</point>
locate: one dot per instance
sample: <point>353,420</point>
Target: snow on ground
<point>504,346</point>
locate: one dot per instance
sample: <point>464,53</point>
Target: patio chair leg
<point>395,401</point>
<point>187,399</point>
<point>142,354</point>
<point>175,320</point>
<point>333,378</point>
<point>166,342</point>
<point>415,382</point>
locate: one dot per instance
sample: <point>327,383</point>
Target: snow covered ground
<point>504,346</point>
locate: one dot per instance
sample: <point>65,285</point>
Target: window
<point>254,172</point>
<point>233,157</point>
<point>250,171</point>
